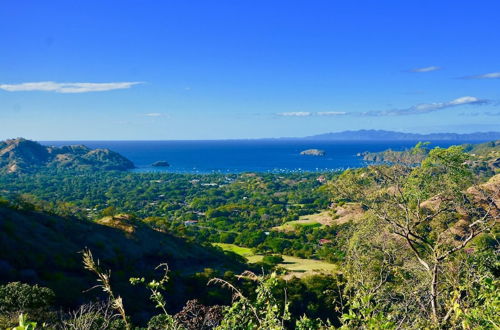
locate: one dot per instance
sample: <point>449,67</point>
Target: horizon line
<point>265,138</point>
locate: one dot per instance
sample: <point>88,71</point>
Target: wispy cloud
<point>417,109</point>
<point>153,114</point>
<point>66,88</point>
<point>429,107</point>
<point>478,114</point>
<point>426,69</point>
<point>295,114</point>
<point>331,113</point>
<point>491,75</point>
<point>311,114</point>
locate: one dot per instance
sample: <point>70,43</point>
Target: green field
<point>242,251</point>
<point>292,225</point>
<point>320,219</point>
<point>297,266</point>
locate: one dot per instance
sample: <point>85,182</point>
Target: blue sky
<point>153,70</point>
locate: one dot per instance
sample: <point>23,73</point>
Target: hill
<point>381,135</point>
<point>21,155</point>
<point>36,247</point>
<point>485,155</point>
<point>488,149</point>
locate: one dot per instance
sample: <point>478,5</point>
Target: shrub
<point>272,260</point>
<point>18,298</point>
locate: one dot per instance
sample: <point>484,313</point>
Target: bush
<point>109,211</point>
<point>272,260</point>
<point>93,316</point>
<point>19,298</point>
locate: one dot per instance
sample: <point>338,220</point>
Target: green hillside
<point>486,156</point>
<point>40,248</point>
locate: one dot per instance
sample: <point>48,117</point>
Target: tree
<point>434,210</point>
<point>109,211</point>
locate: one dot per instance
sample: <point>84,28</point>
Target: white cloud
<point>153,114</point>
<point>426,69</point>
<point>311,114</point>
<point>66,88</point>
<point>429,107</point>
<point>295,114</point>
<point>331,113</point>
<point>477,114</point>
<point>413,110</point>
<point>464,100</point>
<point>492,75</point>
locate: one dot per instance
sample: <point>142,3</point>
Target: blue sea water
<point>237,156</point>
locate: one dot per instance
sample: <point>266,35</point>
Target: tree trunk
<point>434,293</point>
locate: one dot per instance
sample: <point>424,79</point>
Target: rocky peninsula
<point>22,155</point>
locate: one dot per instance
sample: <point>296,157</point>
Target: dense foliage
<point>239,209</point>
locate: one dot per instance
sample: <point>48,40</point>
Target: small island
<point>160,163</point>
<point>313,152</point>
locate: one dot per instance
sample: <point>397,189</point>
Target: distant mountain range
<point>382,135</point>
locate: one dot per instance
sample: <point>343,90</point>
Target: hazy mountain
<point>382,135</point>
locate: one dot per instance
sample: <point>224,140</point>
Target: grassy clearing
<point>314,220</point>
<point>296,266</point>
<point>242,251</point>
<point>339,215</point>
<point>293,225</point>
<point>324,218</point>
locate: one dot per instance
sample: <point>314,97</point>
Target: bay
<point>237,156</point>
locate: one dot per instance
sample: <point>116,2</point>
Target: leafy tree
<point>434,210</point>
<point>109,211</point>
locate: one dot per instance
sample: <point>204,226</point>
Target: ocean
<point>237,156</point>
